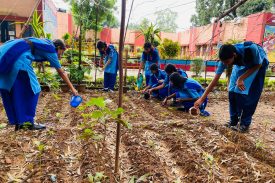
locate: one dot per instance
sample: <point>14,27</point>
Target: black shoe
<point>244,129</point>
<point>230,125</point>
<point>30,127</point>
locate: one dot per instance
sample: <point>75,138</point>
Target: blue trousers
<point>162,93</point>
<point>147,79</point>
<point>109,80</point>
<point>242,107</point>
<point>20,103</point>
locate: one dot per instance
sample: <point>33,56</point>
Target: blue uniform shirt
<point>149,59</point>
<point>190,89</point>
<point>111,54</point>
<point>24,63</point>
<point>258,56</point>
<point>180,71</point>
<point>155,78</point>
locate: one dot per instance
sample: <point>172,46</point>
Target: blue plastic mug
<point>75,101</point>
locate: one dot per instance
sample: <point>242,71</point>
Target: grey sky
<point>147,8</point>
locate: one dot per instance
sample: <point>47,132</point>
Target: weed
<point>27,125</point>
<point>97,178</point>
<point>210,162</point>
<point>143,178</point>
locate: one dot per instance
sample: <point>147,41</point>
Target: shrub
<point>169,49</point>
<point>197,66</point>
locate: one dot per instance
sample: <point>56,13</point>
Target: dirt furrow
<point>202,141</point>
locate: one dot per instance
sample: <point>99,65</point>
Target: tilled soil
<point>164,145</point>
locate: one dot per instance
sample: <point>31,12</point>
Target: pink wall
<point>248,28</point>
<point>63,25</point>
<point>255,28</point>
<point>70,23</point>
<point>106,35</point>
<point>139,41</point>
<point>184,37</point>
<point>168,35</point>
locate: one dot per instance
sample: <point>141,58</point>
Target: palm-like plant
<point>150,33</point>
<point>37,26</point>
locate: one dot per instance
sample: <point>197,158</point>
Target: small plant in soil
<point>97,178</point>
<point>141,179</point>
<point>94,126</point>
<point>211,164</point>
<point>41,149</point>
<point>27,125</point>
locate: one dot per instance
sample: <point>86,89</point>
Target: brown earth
<point>164,144</point>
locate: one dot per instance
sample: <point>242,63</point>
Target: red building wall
<point>256,27</point>
<point>106,35</point>
<point>70,24</point>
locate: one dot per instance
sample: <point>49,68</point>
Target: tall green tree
<point>208,9</point>
<point>255,6</point>
<point>85,13</point>
<point>144,24</point>
<point>166,20</point>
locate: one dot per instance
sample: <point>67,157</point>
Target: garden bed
<point>164,145</point>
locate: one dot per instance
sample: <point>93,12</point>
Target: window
<point>7,31</point>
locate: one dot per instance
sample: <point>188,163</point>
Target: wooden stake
<point>121,42</point>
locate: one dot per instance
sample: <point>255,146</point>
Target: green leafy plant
<point>76,73</point>
<point>27,125</point>
<point>197,66</point>
<point>49,79</point>
<point>210,162</point>
<point>66,36</point>
<point>37,25</point>
<point>48,35</point>
<point>150,33</point>
<point>97,178</point>
<point>2,125</point>
<point>98,118</point>
<point>41,148</point>
<point>169,49</point>
<point>101,115</point>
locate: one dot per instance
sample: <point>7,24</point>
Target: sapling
<point>41,148</point>
<point>100,115</point>
<point>210,162</point>
<point>97,178</point>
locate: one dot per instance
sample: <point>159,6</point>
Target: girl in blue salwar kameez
<point>250,63</point>
<point>19,87</point>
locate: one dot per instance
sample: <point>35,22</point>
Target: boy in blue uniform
<point>157,77</point>
<point>169,69</point>
<point>187,92</point>
<point>19,87</point>
<point>149,56</point>
<point>110,56</point>
<point>249,62</point>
